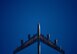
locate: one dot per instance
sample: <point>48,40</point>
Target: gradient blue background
<point>18,18</point>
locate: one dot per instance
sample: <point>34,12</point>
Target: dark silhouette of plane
<point>37,38</point>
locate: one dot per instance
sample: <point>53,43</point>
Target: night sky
<point>18,18</point>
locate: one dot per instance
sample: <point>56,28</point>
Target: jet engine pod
<point>55,41</point>
<point>29,37</point>
<point>22,41</point>
<point>48,36</point>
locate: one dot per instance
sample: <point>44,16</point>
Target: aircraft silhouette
<point>37,38</point>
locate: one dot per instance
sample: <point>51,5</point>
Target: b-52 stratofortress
<point>37,38</point>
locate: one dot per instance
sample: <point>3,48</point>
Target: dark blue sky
<point>18,18</point>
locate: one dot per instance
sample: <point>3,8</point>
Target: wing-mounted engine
<point>55,41</point>
<point>48,36</point>
<point>29,36</point>
<point>22,42</point>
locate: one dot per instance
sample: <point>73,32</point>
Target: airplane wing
<point>26,44</point>
<point>51,44</point>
